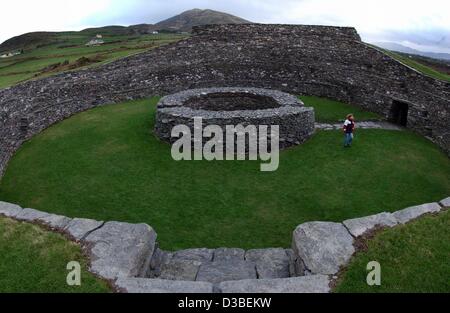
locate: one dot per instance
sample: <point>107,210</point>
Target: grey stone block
<point>445,202</point>
<point>216,272</point>
<point>55,221</point>
<point>201,255</point>
<point>409,214</point>
<point>121,249</point>
<point>227,254</point>
<point>306,284</point>
<point>30,215</point>
<point>180,269</point>
<point>270,263</point>
<point>359,226</point>
<point>292,267</point>
<point>78,228</point>
<point>143,285</point>
<point>9,209</point>
<point>159,258</point>
<point>323,247</point>
<point>296,265</point>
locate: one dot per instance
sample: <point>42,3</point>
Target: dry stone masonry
<point>236,106</point>
<point>223,264</point>
<point>323,61</point>
<point>129,257</point>
<point>312,60</point>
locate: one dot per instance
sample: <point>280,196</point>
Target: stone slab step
<point>216,272</point>
<point>358,226</point>
<point>270,263</point>
<point>409,214</point>
<point>145,285</point>
<point>121,249</point>
<point>305,284</point>
<point>324,247</point>
<point>9,209</point>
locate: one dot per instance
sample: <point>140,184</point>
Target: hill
<point>27,41</point>
<point>403,49</point>
<point>67,51</point>
<point>179,23</point>
<point>186,20</point>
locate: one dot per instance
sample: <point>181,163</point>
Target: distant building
<point>10,54</point>
<point>96,41</point>
<point>155,32</point>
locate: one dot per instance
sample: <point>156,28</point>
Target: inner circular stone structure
<point>234,106</point>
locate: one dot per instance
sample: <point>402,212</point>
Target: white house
<point>10,54</point>
<point>95,41</point>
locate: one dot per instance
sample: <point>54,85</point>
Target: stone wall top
<point>263,30</point>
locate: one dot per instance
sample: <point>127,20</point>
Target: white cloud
<point>379,20</point>
<point>21,16</point>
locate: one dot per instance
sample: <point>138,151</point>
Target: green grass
<point>30,64</point>
<point>413,258</point>
<point>14,79</point>
<point>419,66</point>
<point>34,260</point>
<point>106,164</point>
<point>331,111</point>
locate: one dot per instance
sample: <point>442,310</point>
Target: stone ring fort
<point>236,106</point>
<point>322,61</point>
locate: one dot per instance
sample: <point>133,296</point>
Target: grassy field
<point>330,111</point>
<point>34,260</point>
<point>419,66</point>
<point>106,164</point>
<point>65,52</point>
<point>413,258</point>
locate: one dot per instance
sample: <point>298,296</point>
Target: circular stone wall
<point>236,106</point>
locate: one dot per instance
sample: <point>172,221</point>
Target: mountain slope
<point>400,48</point>
<point>186,20</point>
<point>29,40</point>
<point>179,23</point>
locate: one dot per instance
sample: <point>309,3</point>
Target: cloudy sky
<point>420,24</point>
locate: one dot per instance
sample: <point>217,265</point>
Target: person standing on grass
<point>349,128</point>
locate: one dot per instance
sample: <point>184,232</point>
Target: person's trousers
<point>348,139</point>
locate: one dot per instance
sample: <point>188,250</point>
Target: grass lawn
<point>413,258</point>
<point>34,260</point>
<point>330,111</point>
<point>106,164</point>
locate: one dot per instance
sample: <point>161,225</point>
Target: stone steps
<point>128,256</point>
<point>305,284</point>
<point>222,264</point>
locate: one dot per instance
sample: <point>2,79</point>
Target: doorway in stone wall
<point>399,113</point>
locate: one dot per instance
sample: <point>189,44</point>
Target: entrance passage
<point>399,113</point>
